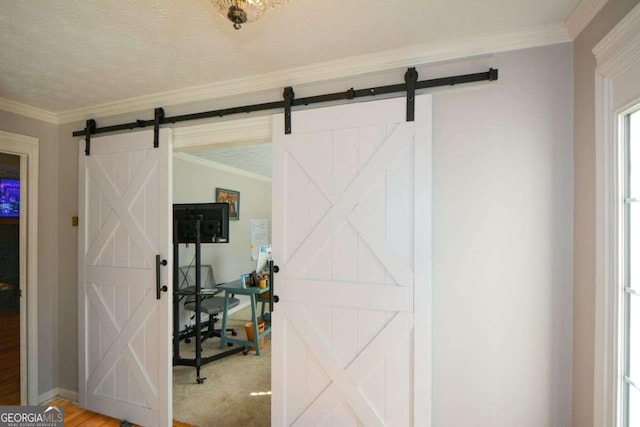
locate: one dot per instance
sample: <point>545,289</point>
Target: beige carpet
<point>225,399</point>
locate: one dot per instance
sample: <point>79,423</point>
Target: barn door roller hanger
<point>410,86</point>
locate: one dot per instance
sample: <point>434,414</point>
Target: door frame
<point>27,148</point>
<point>615,54</point>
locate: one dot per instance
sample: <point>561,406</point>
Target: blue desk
<point>235,287</point>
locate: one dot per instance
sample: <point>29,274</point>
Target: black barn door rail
<point>410,86</point>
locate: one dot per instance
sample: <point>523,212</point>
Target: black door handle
<point>159,287</point>
<point>273,298</point>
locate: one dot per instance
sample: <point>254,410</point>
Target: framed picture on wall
<point>233,198</point>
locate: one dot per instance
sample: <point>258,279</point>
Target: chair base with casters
<point>212,307</point>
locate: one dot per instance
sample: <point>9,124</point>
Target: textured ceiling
<point>61,55</point>
<point>256,159</point>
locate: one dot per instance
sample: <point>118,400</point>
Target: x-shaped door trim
<point>120,214</point>
<point>120,205</point>
<point>348,200</point>
<point>345,381</point>
<point>121,343</point>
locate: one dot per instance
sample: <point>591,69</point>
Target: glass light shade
<point>241,11</point>
<point>276,3</point>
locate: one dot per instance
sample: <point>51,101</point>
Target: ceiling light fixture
<point>241,11</point>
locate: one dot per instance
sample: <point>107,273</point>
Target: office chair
<point>210,304</point>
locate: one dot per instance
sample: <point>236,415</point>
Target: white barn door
<point>125,333</point>
<point>352,236</point>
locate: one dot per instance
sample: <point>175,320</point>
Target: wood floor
<point>10,379</point>
<point>76,416</point>
<point>9,358</point>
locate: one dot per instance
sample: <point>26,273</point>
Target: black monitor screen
<point>213,219</point>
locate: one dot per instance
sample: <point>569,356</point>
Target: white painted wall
<point>502,246</point>
<point>196,183</point>
<point>66,248</point>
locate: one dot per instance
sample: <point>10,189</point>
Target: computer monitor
<point>9,197</point>
<point>213,219</point>
<point>264,255</point>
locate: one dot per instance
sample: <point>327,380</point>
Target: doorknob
<point>159,287</point>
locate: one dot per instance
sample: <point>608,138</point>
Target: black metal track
<point>492,74</point>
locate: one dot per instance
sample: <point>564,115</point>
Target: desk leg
<point>176,328</point>
<point>225,312</point>
<point>254,317</point>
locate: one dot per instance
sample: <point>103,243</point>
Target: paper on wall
<point>259,236</point>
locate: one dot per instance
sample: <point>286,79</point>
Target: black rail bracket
<point>288,102</point>
<point>411,79</point>
<point>89,128</point>
<point>493,74</point>
<point>351,93</point>
<point>158,119</point>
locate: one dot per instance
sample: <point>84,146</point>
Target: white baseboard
<point>47,396</point>
<point>58,393</point>
<point>69,395</point>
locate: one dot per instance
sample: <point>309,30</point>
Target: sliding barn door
<point>352,237</point>
<point>125,333</point>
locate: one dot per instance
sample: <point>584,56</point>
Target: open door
<point>351,341</point>
<point>124,316</point>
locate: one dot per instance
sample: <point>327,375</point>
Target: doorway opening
<point>10,279</point>
<point>237,389</point>
<point>20,155</point>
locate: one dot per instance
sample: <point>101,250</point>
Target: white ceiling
<point>255,159</point>
<point>62,55</point>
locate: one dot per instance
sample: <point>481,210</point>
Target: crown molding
<point>363,64</point>
<point>219,166</point>
<point>28,111</point>
<point>250,130</point>
<point>620,49</point>
<point>582,14</point>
